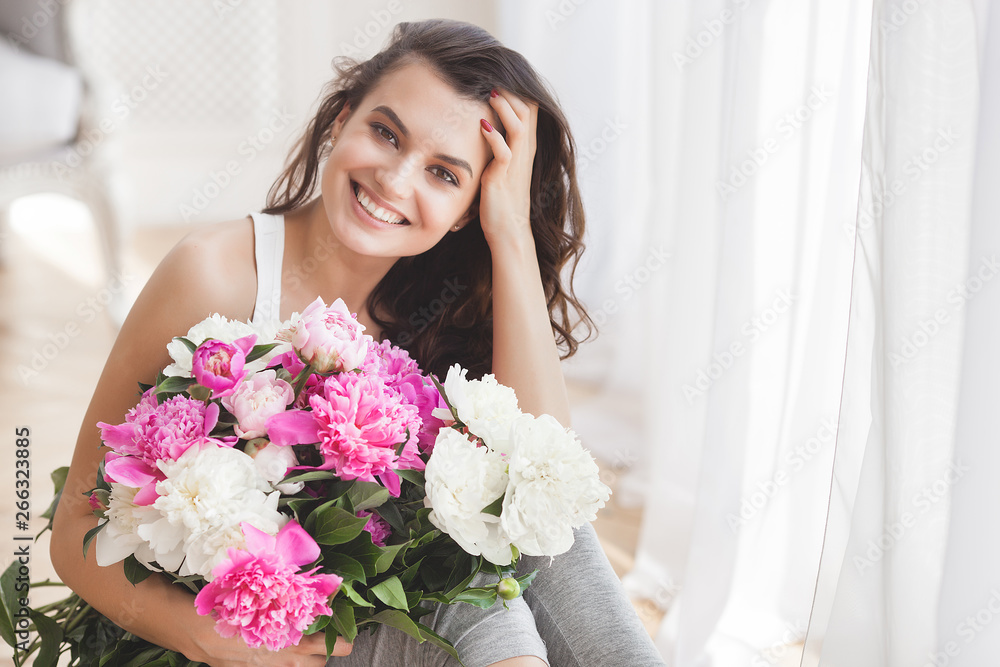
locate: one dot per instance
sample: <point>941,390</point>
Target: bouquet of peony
<point>310,479</point>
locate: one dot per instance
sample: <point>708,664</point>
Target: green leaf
<point>51,635</point>
<point>259,351</point>
<point>483,598</point>
<point>366,495</point>
<point>412,476</point>
<point>337,526</point>
<point>494,508</point>
<point>135,571</point>
<point>58,481</point>
<point>418,631</point>
<point>345,566</point>
<point>91,534</point>
<point>343,621</point>
<point>174,385</point>
<point>8,601</point>
<point>387,556</point>
<point>310,476</point>
<point>391,593</point>
<point>454,410</point>
<point>317,625</point>
<point>526,580</point>
<point>390,513</point>
<point>187,343</point>
<point>353,595</point>
<point>438,641</point>
<point>365,553</point>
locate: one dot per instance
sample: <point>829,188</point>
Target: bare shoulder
<point>211,270</point>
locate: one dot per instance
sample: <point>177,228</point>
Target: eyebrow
<point>391,115</point>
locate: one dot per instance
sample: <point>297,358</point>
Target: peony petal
<point>246,343</point>
<point>130,471</point>
<point>294,545</point>
<point>390,480</point>
<point>117,437</point>
<point>294,427</point>
<point>258,541</point>
<point>147,495</point>
<point>211,417</point>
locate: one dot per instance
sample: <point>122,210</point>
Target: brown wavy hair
<point>409,301</point>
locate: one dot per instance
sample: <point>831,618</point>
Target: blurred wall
<point>201,101</point>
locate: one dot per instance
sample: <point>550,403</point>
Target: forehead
<point>434,114</point>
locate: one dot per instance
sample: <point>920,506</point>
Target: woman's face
<point>406,165</point>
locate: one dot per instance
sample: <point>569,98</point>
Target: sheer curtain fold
<point>884,560</point>
<point>793,390</point>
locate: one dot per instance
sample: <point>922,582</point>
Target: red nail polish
<point>486,125</point>
<point>494,93</point>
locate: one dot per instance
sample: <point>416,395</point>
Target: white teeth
<point>376,211</point>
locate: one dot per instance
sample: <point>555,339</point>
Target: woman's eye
<point>444,175</point>
<point>385,133</point>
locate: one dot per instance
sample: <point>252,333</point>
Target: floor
<point>56,312</point>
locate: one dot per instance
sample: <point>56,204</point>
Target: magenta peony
<point>155,431</point>
<point>328,338</point>
<point>377,527</point>
<point>219,366</point>
<point>259,593</point>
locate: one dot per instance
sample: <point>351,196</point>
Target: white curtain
<point>782,392</point>
<point>910,568</point>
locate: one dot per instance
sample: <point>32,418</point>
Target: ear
<point>338,122</point>
<point>469,214</point>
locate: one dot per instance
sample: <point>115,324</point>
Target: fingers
<point>520,119</point>
<point>518,116</point>
<point>315,644</point>
<point>343,647</point>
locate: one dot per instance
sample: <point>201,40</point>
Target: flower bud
<point>508,588</point>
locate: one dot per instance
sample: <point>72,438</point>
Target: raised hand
<point>505,196</point>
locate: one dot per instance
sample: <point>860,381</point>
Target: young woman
<point>435,193</point>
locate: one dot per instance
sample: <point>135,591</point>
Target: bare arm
<point>185,288</point>
<point>525,355</point>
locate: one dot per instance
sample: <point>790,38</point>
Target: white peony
<point>487,407</point>
<point>218,327</point>
<point>260,396</point>
<point>554,487</point>
<point>462,479</point>
<point>273,462</point>
<point>208,492</point>
<point>120,537</point>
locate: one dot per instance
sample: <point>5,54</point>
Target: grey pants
<point>575,614</point>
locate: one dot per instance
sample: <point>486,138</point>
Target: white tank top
<point>269,247</point>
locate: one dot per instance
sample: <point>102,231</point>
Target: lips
<point>377,209</point>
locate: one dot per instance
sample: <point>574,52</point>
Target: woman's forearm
<point>155,609</point>
<point>525,355</point>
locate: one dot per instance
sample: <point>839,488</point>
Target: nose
<point>396,177</point>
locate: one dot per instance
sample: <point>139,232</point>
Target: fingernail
<point>494,93</point>
<point>486,125</point>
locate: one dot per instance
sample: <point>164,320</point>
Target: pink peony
<point>219,366</point>
<point>260,594</point>
<point>256,399</point>
<point>154,431</point>
<point>378,528</point>
<point>360,424</point>
<point>391,362</point>
<point>329,339</point>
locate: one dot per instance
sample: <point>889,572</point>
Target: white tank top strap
<point>269,247</point>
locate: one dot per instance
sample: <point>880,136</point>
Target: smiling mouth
<point>376,211</point>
